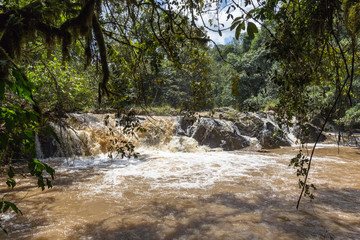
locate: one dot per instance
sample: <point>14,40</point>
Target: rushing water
<point>199,195</point>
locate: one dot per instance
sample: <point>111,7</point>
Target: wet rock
<point>272,137</point>
<point>215,138</point>
<point>48,147</point>
<point>210,137</point>
<point>308,133</point>
<point>217,133</point>
<point>234,142</point>
<point>316,121</point>
<point>250,125</point>
<point>184,123</point>
<point>263,127</point>
<point>271,142</point>
<point>234,135</point>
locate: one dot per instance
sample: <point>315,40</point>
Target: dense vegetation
<point>76,55</point>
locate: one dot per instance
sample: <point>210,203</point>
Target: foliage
<point>5,206</point>
<point>157,65</point>
<point>246,82</point>
<point>351,118</point>
<point>61,88</point>
<point>301,163</point>
<point>17,132</point>
<point>127,125</point>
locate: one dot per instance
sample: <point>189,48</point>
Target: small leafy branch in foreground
<point>126,126</point>
<point>5,206</point>
<point>36,169</point>
<point>301,164</point>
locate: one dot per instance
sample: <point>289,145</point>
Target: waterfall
<point>39,153</point>
<point>92,134</point>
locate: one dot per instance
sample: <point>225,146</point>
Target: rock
<point>230,135</point>
<point>184,123</point>
<point>271,142</point>
<point>316,121</point>
<point>48,146</point>
<point>234,142</point>
<point>272,137</point>
<point>215,138</point>
<point>217,133</point>
<point>206,136</point>
<point>199,133</point>
<point>308,133</point>
<point>263,127</point>
<point>250,125</point>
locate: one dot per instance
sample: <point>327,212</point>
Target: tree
<point>32,32</point>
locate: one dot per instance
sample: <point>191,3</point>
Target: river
<point>196,195</point>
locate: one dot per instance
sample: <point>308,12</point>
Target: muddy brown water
<point>204,195</point>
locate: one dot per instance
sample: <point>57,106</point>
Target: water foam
<point>190,170</point>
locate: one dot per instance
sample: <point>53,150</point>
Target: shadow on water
<point>24,224</point>
<point>227,216</point>
<point>79,170</point>
<point>347,199</point>
<point>26,193</point>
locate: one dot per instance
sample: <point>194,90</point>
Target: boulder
<point>271,142</point>
<point>217,133</point>
<point>47,146</point>
<point>234,135</point>
<point>184,123</point>
<point>250,125</point>
<point>216,137</point>
<point>308,133</point>
<point>272,137</point>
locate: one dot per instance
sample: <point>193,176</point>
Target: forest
<point>298,59</point>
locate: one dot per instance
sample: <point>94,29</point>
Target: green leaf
<point>13,207</point>
<point>27,96</point>
<point>11,173</point>
<point>6,207</point>
<point>11,183</point>
<point>252,29</point>
<point>237,19</point>
<point>234,24</point>
<point>29,134</point>
<point>238,30</point>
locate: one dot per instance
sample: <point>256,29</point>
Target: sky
<point>227,35</point>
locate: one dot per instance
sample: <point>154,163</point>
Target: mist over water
<point>180,190</point>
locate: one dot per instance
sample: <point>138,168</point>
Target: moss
<point>36,20</point>
<point>351,12</point>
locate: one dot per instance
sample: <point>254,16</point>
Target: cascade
<point>89,135</point>
<point>39,153</point>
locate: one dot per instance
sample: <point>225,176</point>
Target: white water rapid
<point>178,189</point>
